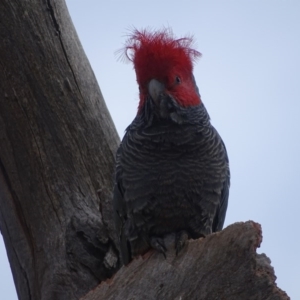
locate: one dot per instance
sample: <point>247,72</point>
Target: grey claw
<point>159,245</point>
<point>181,238</point>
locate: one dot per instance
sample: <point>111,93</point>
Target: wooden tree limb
<point>57,149</point>
<point>224,265</point>
<point>57,152</point>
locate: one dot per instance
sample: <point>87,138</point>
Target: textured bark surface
<point>224,265</point>
<point>57,148</point>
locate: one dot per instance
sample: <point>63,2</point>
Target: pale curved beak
<point>155,88</point>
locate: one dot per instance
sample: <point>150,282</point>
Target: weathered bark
<point>57,147</point>
<point>224,265</point>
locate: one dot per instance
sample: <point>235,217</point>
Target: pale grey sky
<point>249,80</point>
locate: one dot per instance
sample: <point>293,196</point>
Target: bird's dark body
<point>172,175</point>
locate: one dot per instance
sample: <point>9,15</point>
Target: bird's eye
<point>177,80</point>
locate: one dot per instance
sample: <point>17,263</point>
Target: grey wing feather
<point>119,218</point>
<point>221,212</point>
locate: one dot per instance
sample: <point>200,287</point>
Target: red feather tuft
<point>153,52</point>
<point>158,54</point>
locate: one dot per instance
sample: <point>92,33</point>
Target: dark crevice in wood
<point>17,207</point>
<point>56,26</point>
<point>40,159</point>
<point>4,176</point>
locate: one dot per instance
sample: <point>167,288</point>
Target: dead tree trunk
<point>57,147</point>
<point>223,265</point>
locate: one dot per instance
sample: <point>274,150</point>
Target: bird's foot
<point>180,240</point>
<point>159,245</point>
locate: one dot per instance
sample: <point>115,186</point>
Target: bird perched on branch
<point>172,173</point>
